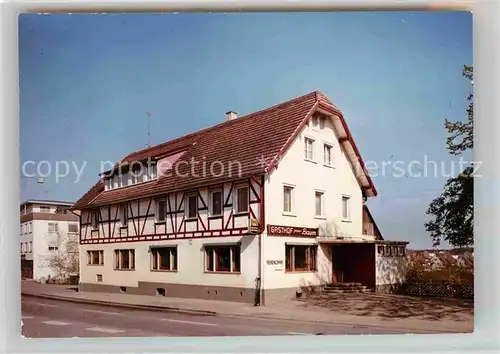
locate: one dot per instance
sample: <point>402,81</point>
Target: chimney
<point>231,115</point>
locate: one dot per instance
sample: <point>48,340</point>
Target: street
<point>43,318</point>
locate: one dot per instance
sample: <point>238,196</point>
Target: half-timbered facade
<point>254,209</point>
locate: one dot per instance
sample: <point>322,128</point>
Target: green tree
<point>453,211</point>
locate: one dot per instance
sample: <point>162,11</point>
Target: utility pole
<point>149,114</point>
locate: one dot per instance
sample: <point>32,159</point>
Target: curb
<point>116,304</point>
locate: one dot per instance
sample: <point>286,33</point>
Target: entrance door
<point>337,264</point>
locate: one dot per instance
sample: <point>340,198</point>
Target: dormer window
<point>136,174</point>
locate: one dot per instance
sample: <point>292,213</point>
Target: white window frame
<point>115,181</point>
<point>174,260</point>
<point>186,205</point>
<point>55,227</point>
<point>292,200</point>
<point>235,202</point>
<point>157,211</point>
<point>322,206</point>
<point>325,147</point>
<point>131,258</point>
<point>152,171</point>
<point>90,257</point>
<point>211,199</point>
<point>348,198</point>
<point>94,219</point>
<point>234,251</point>
<point>322,122</point>
<point>306,151</point>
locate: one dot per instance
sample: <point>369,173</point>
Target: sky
<point>87,81</point>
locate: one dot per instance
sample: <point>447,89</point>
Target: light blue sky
<point>86,82</point>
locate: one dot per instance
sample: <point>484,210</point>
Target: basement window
<point>225,259</point>
<point>301,258</point>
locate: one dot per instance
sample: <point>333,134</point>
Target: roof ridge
<point>234,121</point>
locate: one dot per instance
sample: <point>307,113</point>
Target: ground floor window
<point>95,257</point>
<point>164,258</point>
<point>223,258</point>
<point>301,258</point>
<point>125,259</point>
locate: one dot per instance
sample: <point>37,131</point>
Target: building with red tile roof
<point>265,196</point>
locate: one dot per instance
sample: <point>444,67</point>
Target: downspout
<point>259,291</point>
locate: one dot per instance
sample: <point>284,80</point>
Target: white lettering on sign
<point>292,231</point>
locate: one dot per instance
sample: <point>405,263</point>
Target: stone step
<point>345,291</point>
<point>344,285</point>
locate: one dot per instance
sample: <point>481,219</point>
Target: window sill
<point>124,270</point>
<point>123,227</point>
<point>346,220</point>
<point>309,160</point>
<point>215,217</point>
<point>319,217</point>
<point>289,214</point>
<point>192,218</point>
<point>163,271</point>
<point>241,213</point>
<point>160,222</point>
<point>95,265</point>
<point>329,166</point>
<point>222,272</point>
<point>300,271</point>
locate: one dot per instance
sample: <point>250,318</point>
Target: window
<point>345,208</point>
<point>94,216</point>
<point>125,259</point>
<point>124,214</point>
<point>381,250</point>
<point>318,203</point>
<point>315,120</point>
<point>222,258</point>
<point>125,179</point>
<point>108,183</point>
<point>95,257</point>
<point>73,228</point>
<point>191,206</point>
<point>160,210</point>
<point>164,258</point>
<point>327,154</point>
<point>115,181</point>
<point>53,227</point>
<point>53,248</point>
<point>322,122</point>
<point>308,149</point>
<point>29,227</point>
<point>242,199</point>
<point>287,199</point>
<point>152,171</point>
<point>216,203</point>
<point>44,209</point>
<point>134,174</point>
<point>30,247</point>
<point>300,258</point>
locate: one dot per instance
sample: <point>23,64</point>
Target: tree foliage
<point>65,261</point>
<point>453,210</point>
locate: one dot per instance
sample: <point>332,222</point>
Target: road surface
<point>44,318</point>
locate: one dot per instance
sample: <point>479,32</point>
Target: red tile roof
<point>249,140</point>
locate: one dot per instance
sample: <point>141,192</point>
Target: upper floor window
<point>160,210</point>
<point>242,201</point>
<point>136,174</point>
<point>72,228</point>
<point>309,149</point>
<point>327,154</point>
<point>216,202</point>
<point>315,122</point>
<point>319,208</point>
<point>191,206</point>
<point>44,209</point>
<point>346,212</point>
<point>53,227</point>
<point>124,214</point>
<point>322,122</point>
<point>287,199</point>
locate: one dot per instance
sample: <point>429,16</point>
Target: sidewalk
<point>288,310</point>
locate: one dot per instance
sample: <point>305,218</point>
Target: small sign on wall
<point>278,230</point>
<point>277,264</point>
<point>254,226</point>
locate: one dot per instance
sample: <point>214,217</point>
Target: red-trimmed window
<point>301,258</point>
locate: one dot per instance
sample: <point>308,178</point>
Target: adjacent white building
<point>255,209</point>
<point>43,224</point>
